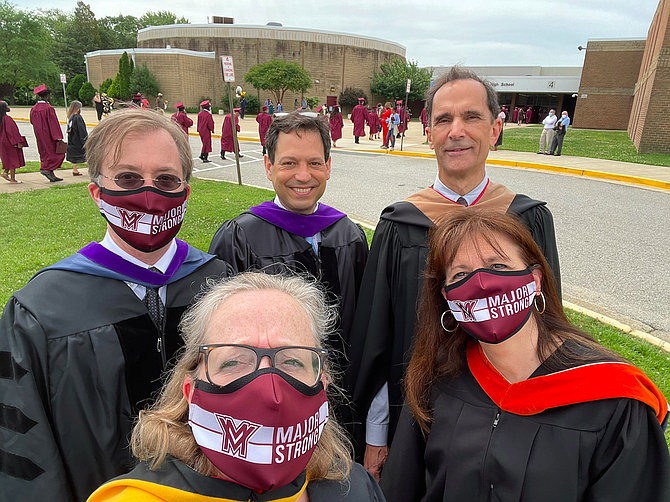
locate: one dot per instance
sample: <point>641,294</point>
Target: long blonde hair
<point>74,107</point>
<point>163,429</point>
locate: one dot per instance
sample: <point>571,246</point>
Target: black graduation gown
<point>76,138</point>
<point>185,482</point>
<point>249,242</point>
<point>606,450</point>
<point>386,313</point>
<point>78,359</point>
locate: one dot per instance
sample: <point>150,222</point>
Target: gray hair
<point>297,122</point>
<point>107,137</point>
<point>457,72</point>
<point>307,293</point>
<point>163,430</point>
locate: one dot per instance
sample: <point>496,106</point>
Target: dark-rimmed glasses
<point>132,181</point>
<point>225,363</point>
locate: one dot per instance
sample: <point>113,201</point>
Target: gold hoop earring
<point>544,304</point>
<point>442,322</point>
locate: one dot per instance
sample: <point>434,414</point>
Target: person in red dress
<point>335,124</point>
<point>48,134</point>
<point>227,134</point>
<point>11,145</point>
<point>385,115</point>
<point>205,129</point>
<point>264,120</point>
<point>359,116</point>
<point>181,118</point>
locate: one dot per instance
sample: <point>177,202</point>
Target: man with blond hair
<point>84,344</point>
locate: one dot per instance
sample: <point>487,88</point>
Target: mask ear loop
<point>442,322</point>
<point>544,304</point>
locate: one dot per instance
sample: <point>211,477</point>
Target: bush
<point>114,90</point>
<point>72,89</point>
<point>253,105</point>
<point>349,96</point>
<point>86,94</point>
<point>236,103</point>
<point>313,102</point>
<point>144,82</point>
<point>104,87</point>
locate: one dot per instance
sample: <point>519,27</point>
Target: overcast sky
<point>434,32</point>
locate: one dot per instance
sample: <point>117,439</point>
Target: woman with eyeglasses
<point>244,414</point>
<point>507,400</point>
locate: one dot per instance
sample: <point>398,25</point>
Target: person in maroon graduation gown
<point>373,123</point>
<point>335,124</point>
<point>205,129</point>
<point>359,117</point>
<point>181,118</point>
<point>227,134</point>
<point>47,133</point>
<point>11,145</point>
<point>507,399</point>
<point>264,120</point>
<point>424,120</point>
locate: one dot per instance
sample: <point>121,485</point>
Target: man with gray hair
<point>295,230</point>
<point>84,344</point>
<point>462,112</point>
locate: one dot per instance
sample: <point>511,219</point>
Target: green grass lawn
<point>608,145</point>
<point>40,227</point>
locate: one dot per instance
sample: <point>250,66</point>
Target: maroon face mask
<point>491,305</point>
<point>260,430</point>
<point>146,218</point>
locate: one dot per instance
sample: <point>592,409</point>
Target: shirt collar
<point>161,264</point>
<point>470,197</point>
<point>278,202</point>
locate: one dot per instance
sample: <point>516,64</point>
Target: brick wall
<point>607,85</point>
<point>338,65</point>
<point>649,125</point>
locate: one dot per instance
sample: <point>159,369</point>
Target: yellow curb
<point>616,324</point>
<point>585,172</point>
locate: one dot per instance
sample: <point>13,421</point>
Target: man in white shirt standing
<point>463,124</point>
<point>84,344</point>
<point>548,132</point>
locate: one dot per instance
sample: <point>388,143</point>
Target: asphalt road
<point>613,239</point>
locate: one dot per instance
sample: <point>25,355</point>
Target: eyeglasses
<point>132,181</point>
<point>225,363</point>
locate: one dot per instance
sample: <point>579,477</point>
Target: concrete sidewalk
<point>414,144</point>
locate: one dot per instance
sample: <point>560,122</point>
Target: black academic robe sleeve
<point>611,450</point>
<point>632,461</point>
<point>385,314</point>
<point>539,220</point>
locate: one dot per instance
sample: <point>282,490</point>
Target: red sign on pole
<point>227,67</point>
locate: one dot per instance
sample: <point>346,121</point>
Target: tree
<point>86,93</point>
<point>72,89</point>
<point>349,96</point>
<point>161,18</point>
<point>74,35</point>
<point>119,32</point>
<point>391,81</point>
<point>143,81</point>
<point>125,73</point>
<point>24,47</point>
<point>279,76</point>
